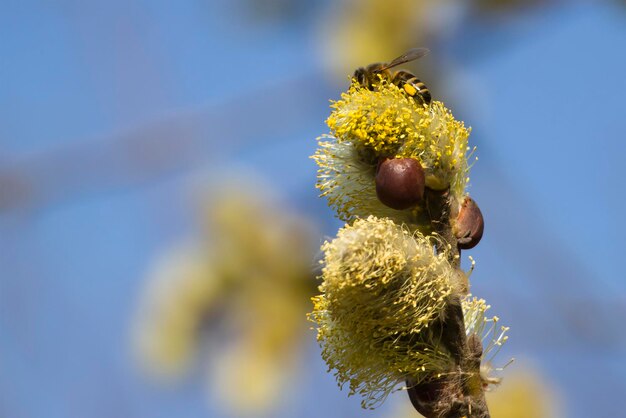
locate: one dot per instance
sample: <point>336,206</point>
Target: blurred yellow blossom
<point>181,287</point>
<point>251,276</point>
<point>356,32</point>
<point>524,393</point>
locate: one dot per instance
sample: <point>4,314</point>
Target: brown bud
<point>427,397</point>
<point>469,224</point>
<point>400,182</point>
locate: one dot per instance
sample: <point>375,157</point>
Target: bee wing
<point>410,55</point>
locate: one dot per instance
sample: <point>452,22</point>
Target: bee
<point>369,76</point>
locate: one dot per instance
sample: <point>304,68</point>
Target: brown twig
<point>459,393</point>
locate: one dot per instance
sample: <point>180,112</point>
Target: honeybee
<point>368,76</point>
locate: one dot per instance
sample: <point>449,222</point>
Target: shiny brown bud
<point>400,182</point>
<point>469,225</point>
<point>426,397</point>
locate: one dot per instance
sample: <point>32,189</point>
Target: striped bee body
<point>413,86</point>
<point>371,75</point>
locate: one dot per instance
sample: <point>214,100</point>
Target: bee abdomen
<point>412,86</point>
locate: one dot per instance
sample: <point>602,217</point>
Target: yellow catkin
<point>366,125</point>
<point>382,288</point>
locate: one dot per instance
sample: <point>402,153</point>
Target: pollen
<point>376,120</point>
<point>411,91</point>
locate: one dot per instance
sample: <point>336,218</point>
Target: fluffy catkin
<point>382,288</point>
<point>367,125</point>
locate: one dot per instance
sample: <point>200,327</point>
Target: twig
<point>459,393</point>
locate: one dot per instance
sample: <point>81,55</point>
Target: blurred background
<point>159,225</point>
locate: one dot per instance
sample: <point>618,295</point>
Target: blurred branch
<point>178,142</point>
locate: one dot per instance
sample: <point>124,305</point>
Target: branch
<point>459,393</point>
